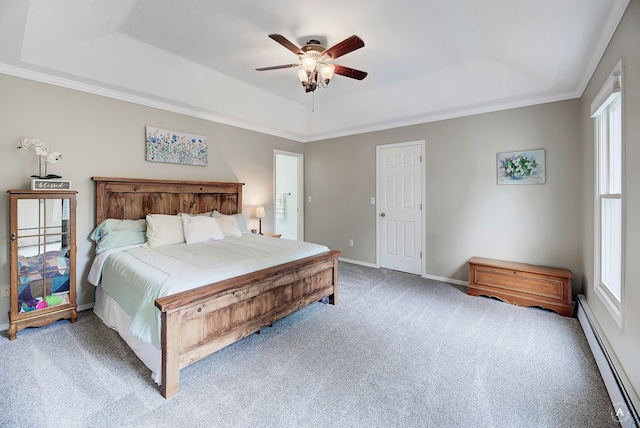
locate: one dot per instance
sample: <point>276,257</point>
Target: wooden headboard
<point>134,198</point>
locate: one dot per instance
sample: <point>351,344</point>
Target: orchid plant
<point>45,156</point>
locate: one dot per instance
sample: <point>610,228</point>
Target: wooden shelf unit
<point>42,258</point>
<point>522,284</point>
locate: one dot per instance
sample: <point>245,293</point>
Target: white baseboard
<point>447,280</point>
<point>5,327</point>
<point>85,307</point>
<point>427,276</point>
<point>357,262</point>
<point>623,397</point>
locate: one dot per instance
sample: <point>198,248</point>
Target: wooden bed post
<point>333,298</point>
<point>171,355</point>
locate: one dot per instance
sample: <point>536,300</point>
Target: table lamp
<point>260,214</point>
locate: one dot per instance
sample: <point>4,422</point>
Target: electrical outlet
<point>351,242</point>
<point>4,290</point>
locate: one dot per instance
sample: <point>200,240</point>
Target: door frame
<point>423,163</point>
<point>300,207</point>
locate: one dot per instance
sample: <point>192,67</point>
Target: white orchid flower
<point>41,150</point>
<point>54,157</point>
<point>23,144</point>
<point>27,142</point>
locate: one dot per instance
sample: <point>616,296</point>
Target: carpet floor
<point>397,351</point>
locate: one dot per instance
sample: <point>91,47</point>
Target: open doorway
<point>288,195</point>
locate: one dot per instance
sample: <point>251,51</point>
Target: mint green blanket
<point>136,277</point>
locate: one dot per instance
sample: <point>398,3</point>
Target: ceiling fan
<point>317,68</point>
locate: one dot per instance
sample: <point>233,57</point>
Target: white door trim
<point>422,211</point>
<point>300,207</point>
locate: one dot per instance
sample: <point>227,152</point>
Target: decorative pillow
<point>241,222</point>
<point>201,229</point>
<point>236,220</point>
<point>114,233</point>
<point>228,224</point>
<point>164,229</point>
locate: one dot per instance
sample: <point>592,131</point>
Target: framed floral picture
<point>524,167</point>
<point>164,145</point>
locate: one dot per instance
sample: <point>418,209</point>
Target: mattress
<point>135,277</point>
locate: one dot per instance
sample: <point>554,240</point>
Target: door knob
<point>382,214</point>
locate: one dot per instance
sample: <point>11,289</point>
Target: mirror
<point>43,253</point>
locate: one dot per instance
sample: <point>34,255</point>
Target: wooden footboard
<point>198,322</point>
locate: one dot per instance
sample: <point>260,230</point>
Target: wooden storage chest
<point>522,284</point>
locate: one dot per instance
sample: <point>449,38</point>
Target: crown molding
<point>141,100</point>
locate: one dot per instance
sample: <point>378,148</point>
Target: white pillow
<point>201,229</point>
<point>240,221</point>
<point>164,229</point>
<point>228,224</point>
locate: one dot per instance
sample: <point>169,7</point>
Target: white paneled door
<point>400,206</point>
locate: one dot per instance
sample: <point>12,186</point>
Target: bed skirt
<point>112,314</point>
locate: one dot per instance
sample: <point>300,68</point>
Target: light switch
<point>373,201</point>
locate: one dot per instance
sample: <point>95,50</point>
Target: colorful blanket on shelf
<point>50,269</point>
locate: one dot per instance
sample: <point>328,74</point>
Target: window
<point>606,111</point>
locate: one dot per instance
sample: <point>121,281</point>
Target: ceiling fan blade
<point>344,47</point>
<point>277,67</point>
<point>286,43</point>
<point>349,72</point>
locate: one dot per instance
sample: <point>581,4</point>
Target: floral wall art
<point>524,167</point>
<point>164,145</point>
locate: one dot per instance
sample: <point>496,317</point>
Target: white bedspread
<point>137,276</point>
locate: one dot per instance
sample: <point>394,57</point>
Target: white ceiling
<point>427,59</point>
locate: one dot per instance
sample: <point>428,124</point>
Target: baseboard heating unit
<point>624,399</point>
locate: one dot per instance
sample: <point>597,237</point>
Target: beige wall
<point>467,213</point>
<point>624,44</point>
<point>105,137</point>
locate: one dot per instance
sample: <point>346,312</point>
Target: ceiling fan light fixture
<point>303,76</point>
<point>326,71</point>
<point>314,59</point>
<point>308,64</point>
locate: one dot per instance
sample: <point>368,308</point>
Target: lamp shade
<point>260,212</point>
<point>308,64</point>
<point>326,71</point>
<point>303,76</point>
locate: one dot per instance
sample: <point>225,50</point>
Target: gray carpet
<point>398,350</point>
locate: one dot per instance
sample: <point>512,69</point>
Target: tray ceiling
<point>427,60</point>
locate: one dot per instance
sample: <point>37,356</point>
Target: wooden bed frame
<point>199,322</point>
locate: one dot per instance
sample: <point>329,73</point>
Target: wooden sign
<point>41,184</point>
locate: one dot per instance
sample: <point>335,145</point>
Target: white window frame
<point>609,97</point>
